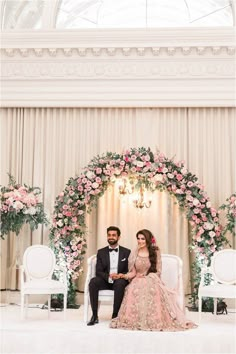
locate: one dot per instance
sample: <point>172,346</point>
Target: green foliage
<point>230,209</point>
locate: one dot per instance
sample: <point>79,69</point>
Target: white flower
<point>60,223</point>
<point>196,202</point>
<point>32,211</point>
<point>90,175</point>
<point>18,205</point>
<point>212,234</point>
<point>95,185</point>
<point>139,163</point>
<point>208,226</point>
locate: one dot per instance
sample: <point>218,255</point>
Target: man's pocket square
<point>124,259</point>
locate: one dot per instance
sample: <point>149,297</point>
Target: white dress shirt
<point>114,256</point>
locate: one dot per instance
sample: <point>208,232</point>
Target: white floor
<point>38,334</point>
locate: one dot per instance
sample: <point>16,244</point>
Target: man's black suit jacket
<point>103,262</point>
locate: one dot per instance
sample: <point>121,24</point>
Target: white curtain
<point>44,147</point>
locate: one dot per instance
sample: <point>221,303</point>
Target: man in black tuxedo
<point>111,261</point>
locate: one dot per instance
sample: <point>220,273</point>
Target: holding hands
<point>115,276</point>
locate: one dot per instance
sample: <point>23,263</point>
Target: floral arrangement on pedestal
<point>230,209</point>
<point>142,167</point>
<point>20,204</point>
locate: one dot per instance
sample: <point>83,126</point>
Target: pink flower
<point>179,177</point>
<point>98,170</point>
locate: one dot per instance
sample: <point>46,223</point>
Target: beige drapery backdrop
<point>45,146</point>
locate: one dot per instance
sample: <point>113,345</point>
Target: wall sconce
<point>140,202</point>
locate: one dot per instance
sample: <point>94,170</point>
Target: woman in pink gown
<point>148,304</point>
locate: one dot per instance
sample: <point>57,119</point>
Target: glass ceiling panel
<point>22,14</point>
<point>81,14</point>
<point>143,13</point>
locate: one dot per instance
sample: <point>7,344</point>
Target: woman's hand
<point>123,276</point>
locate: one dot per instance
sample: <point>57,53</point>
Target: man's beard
<point>112,242</point>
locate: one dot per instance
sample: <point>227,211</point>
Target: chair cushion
<point>43,287</point>
<point>218,290</point>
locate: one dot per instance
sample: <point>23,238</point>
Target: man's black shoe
<point>93,321</point>
<point>114,315</point>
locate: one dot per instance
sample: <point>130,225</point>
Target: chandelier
<point>125,187</point>
<point>139,200</point>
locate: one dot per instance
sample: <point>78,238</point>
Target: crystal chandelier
<point>139,201</point>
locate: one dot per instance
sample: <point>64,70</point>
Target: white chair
<point>171,275</point>
<point>39,264</point>
<point>223,273</point>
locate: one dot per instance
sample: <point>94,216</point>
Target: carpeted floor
<point>38,334</point>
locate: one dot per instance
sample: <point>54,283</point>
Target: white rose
<point>95,185</point>
<point>208,226</point>
<point>140,163</point>
<point>32,211</point>
<point>18,205</point>
<point>90,175</point>
<point>195,202</point>
<point>60,223</point>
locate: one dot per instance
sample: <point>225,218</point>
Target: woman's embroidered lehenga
<point>148,304</point>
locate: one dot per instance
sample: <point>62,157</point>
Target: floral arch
<point>155,171</point>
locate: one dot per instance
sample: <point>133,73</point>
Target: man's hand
<point>114,276</point>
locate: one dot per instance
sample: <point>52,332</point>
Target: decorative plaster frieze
<point>231,50</point>
<point>132,69</point>
<point>159,68</point>
<point>82,52</point>
<point>125,51</point>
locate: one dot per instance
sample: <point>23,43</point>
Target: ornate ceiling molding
<point>126,51</point>
<point>119,68</point>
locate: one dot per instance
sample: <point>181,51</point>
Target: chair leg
<point>215,306</point>
<point>22,305</point>
<point>49,305</point>
<point>65,305</point>
<point>199,308</point>
<point>27,305</point>
<point>86,306</point>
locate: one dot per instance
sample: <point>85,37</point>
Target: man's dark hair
<point>114,228</point>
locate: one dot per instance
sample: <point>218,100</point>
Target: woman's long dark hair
<point>152,248</point>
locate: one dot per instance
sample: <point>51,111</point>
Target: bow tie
<point>113,249</point>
